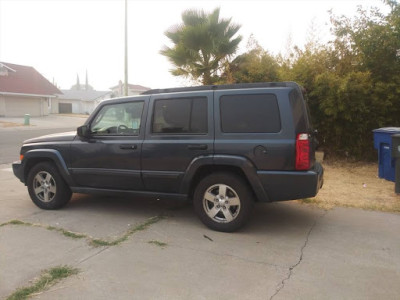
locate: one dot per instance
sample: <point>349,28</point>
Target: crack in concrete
<point>105,244</point>
<point>93,255</point>
<point>94,242</point>
<point>292,267</point>
<point>39,285</point>
<point>231,255</point>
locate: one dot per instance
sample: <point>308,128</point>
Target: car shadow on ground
<point>134,206</point>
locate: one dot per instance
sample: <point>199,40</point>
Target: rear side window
<point>299,111</point>
<point>250,113</point>
<point>180,116</point>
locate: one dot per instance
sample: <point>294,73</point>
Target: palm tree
<point>202,43</point>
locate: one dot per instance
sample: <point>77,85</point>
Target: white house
<point>80,99</point>
<point>133,89</point>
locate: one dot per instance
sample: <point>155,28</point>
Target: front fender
<point>45,154</point>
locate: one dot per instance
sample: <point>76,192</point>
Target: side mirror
<point>83,131</point>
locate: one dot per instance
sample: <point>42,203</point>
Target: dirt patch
<point>74,115</point>
<point>356,185</point>
<point>10,124</point>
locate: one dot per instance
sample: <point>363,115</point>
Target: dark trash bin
<point>383,143</point>
<point>396,157</point>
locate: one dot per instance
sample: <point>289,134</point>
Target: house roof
<point>25,80</point>
<point>84,95</point>
<point>133,87</point>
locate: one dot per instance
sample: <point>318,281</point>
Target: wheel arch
<point>35,156</point>
<point>203,166</point>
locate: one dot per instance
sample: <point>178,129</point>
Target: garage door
<point>18,106</point>
<point>65,108</point>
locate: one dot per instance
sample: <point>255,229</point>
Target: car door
<point>179,129</point>
<point>109,158</point>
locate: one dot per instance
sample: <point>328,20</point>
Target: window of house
<point>118,119</point>
<point>180,116</point>
<point>250,113</point>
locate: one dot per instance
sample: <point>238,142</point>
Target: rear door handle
<point>128,147</point>
<point>197,147</point>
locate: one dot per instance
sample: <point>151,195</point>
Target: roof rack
<point>222,87</point>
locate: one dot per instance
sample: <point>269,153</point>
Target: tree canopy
<point>201,44</point>
<point>352,82</point>
<point>256,65</point>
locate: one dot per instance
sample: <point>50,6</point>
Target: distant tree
<point>202,45</point>
<point>372,39</point>
<point>361,92</point>
<point>256,65</point>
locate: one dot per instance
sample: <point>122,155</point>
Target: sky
<point>62,39</point>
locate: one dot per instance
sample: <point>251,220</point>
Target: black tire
<point>46,187</point>
<point>223,201</point>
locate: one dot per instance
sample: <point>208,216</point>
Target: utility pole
<point>126,49</point>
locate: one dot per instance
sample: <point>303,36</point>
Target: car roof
<point>224,87</point>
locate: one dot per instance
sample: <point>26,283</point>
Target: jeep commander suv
<point>225,147</point>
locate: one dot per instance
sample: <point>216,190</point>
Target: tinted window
<point>182,115</point>
<point>250,113</point>
<point>118,119</point>
<point>298,111</point>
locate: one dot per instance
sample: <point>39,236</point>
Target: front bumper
<point>18,170</point>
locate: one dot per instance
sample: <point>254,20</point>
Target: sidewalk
<point>46,122</point>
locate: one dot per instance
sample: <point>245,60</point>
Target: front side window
<point>180,116</point>
<point>118,119</point>
<point>250,113</point>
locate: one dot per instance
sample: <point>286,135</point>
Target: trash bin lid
<point>388,130</point>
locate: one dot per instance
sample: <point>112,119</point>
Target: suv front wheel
<point>223,201</point>
<point>46,187</point>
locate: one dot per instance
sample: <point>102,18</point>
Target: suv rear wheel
<point>46,187</point>
<point>223,201</point>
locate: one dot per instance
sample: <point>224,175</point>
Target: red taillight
<point>302,152</point>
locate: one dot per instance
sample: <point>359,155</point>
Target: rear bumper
<point>291,185</point>
<point>18,170</point>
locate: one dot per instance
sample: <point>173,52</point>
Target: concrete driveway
<point>287,251</point>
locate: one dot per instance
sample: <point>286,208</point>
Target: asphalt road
<point>11,141</point>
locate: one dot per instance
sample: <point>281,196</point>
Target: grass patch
<point>47,279</point>
<point>67,233</point>
<point>16,222</point>
<point>126,235</point>
<point>308,200</point>
<point>91,241</point>
<point>158,243</point>
<point>355,185</point>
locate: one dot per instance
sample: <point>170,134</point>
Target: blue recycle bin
<point>383,143</point>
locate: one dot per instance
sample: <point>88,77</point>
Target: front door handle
<point>197,147</point>
<point>128,147</point>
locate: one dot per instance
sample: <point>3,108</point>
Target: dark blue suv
<point>224,147</point>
